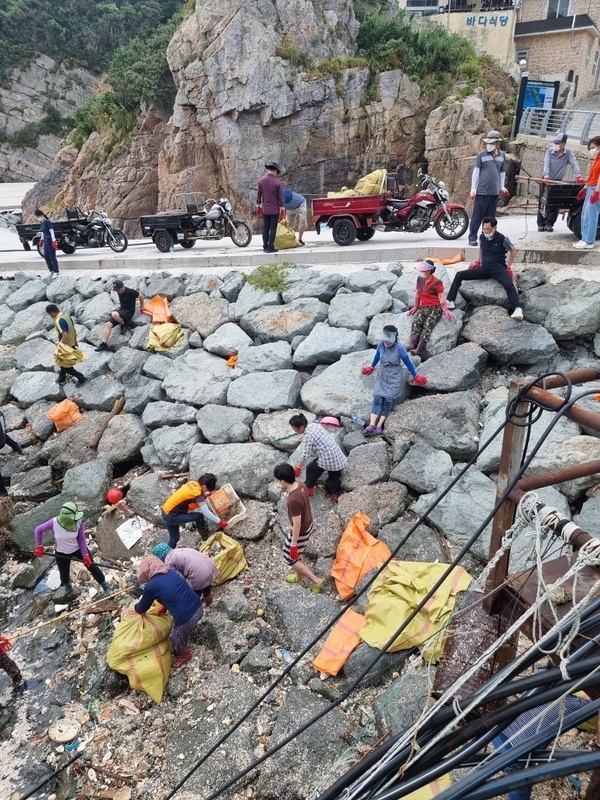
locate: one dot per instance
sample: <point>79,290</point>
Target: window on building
<point>423,6</point>
<point>558,8</point>
<point>596,70</point>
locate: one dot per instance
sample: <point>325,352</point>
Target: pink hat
<point>426,266</point>
<point>330,421</point>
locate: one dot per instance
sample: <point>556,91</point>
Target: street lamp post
<point>520,97</point>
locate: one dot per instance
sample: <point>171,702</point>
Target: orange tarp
<point>357,553</point>
<point>342,640</point>
<point>158,309</point>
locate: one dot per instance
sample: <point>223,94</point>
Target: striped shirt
<point>198,570</point>
<point>318,442</point>
<point>529,723</point>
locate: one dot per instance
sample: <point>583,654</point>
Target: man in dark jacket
<point>124,314</point>
<point>269,202</point>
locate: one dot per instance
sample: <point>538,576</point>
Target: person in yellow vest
<point>66,335</point>
<point>187,504</point>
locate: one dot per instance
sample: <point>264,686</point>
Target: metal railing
<point>548,122</point>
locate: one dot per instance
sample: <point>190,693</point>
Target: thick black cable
<point>47,780</point>
<point>464,550</point>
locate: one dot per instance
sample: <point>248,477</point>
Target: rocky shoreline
<point>186,410</point>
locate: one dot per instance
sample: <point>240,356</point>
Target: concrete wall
<point>552,55</point>
<point>537,9</point>
<point>485,31</point>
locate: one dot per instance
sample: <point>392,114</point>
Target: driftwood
<point>116,409</point>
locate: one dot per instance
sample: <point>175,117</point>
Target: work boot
<point>181,659</point>
<point>102,347</point>
<point>420,347</point>
<point>106,589</point>
<point>63,592</point>
<point>413,341</point>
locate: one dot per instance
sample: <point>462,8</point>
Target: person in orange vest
<point>187,504</point>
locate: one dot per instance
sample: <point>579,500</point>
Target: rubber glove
<point>505,191</point>
<point>367,370</point>
<point>579,179</point>
<point>162,610</point>
<point>474,264</point>
<point>420,380</point>
<point>55,245</point>
<point>581,195</point>
<point>38,552</point>
<point>282,213</point>
<point>594,197</point>
<point>87,560</point>
<point>258,211</point>
<point>5,644</point>
<point>294,553</point>
<point>412,311</point>
<point>446,313</point>
<point>222,524</point>
<point>297,471</point>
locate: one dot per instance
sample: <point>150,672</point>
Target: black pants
<point>333,484</point>
<point>550,217</point>
<point>64,371</point>
<point>481,274</point>
<point>63,562</point>
<point>3,490</point>
<point>269,230</point>
<point>11,669</point>
<point>484,205</point>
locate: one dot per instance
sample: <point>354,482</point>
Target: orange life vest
<point>187,494</point>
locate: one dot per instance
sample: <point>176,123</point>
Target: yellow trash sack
<point>67,356</point>
<point>285,238</point>
<point>227,554</point>
<point>165,336</point>
<point>141,650</point>
<point>397,592</point>
<point>64,415</point>
<point>343,192</point>
<point>371,184</point>
<point>431,790</point>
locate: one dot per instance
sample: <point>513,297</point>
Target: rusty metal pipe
<point>591,419</point>
<point>578,536</point>
<point>575,376</point>
<point>559,476</point>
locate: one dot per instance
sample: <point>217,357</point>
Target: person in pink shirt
<point>270,203</point>
<point>199,570</point>
<point>69,544</point>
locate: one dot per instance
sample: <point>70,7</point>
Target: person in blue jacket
<point>176,596</point>
<point>295,209</point>
<point>50,243</point>
<point>389,381</point>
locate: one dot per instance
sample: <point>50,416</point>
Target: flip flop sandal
<point>293,578</point>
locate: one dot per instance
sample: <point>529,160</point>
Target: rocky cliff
<point>32,108</point>
<point>255,81</point>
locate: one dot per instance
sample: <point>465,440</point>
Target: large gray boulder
<point>506,339</point>
<point>382,503</point>
<point>494,414</point>
<point>248,467</point>
<point>265,357</point>
<point>588,519</point>
<point>72,447</point>
<point>35,354</point>
<point>224,425</point>
<point>231,285</point>
<point>148,493</point>
<point>123,438</point>
<point>262,391</point>
<point>168,286</point>
<point>443,337</point>
<point>29,387</point>
<point>341,389</point>
<point>325,344</point>
<point>99,394</point>
<point>447,422</point>
<point>567,453</point>
<point>455,371</point>
<point>89,287</point>
<point>140,392</point>
<point>170,447</point>
<point>163,413</point>
<point>251,298</point>
<point>370,280</point>
<point>200,313</point>
<point>87,485</point>
<point>274,323</point>
<point>17,327</point>
<point>298,630</point>
<point>6,380</point>
<point>35,415</point>
<point>423,468</point>
<point>96,310</point>
<point>567,309</point>
<point>197,377</point>
<point>367,464</point>
<point>157,366</point>
<point>127,362</point>
<point>35,484</point>
<point>31,292</point>
<point>354,310</point>
<point>323,286</point>
<point>227,340</point>
<point>484,293</point>
<point>274,429</point>
<point>199,282</point>
<point>475,492</point>
<point>62,288</point>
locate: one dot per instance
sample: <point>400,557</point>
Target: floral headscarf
<point>150,566</point>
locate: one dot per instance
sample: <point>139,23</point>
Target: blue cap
<point>287,195</point>
<point>161,550</point>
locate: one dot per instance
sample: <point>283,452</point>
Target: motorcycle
<point>93,229</point>
<point>219,222</point>
<point>428,207</point>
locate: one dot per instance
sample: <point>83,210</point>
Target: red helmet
<point>113,496</point>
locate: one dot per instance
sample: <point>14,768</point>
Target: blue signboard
<point>539,94</point>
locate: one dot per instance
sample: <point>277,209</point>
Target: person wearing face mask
<point>557,159</point>
<point>487,183</point>
<point>492,263</point>
<point>591,207</point>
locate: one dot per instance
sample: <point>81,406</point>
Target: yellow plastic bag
<point>64,415</point>
<point>141,650</point>
<point>371,184</point>
<point>227,554</point>
<point>164,336</point>
<point>67,356</point>
<point>431,790</point>
<point>285,238</point>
